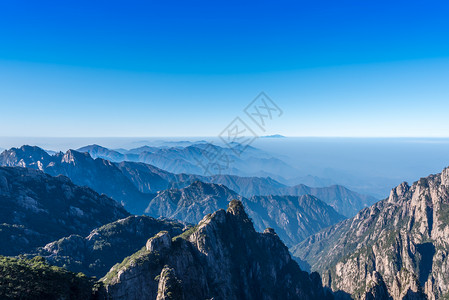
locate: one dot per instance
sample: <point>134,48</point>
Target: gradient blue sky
<point>188,68</point>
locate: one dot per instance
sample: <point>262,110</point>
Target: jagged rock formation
<point>37,208</point>
<point>402,239</point>
<point>134,183</point>
<point>294,218</point>
<point>96,253</point>
<point>223,257</point>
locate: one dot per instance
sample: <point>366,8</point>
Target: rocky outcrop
<point>404,238</point>
<point>376,288</point>
<point>37,208</point>
<point>96,253</point>
<point>169,287</point>
<point>223,257</point>
<point>159,242</point>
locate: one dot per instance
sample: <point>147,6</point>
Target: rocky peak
<point>445,177</point>
<point>219,258</point>
<point>236,208</point>
<point>159,242</point>
<point>269,231</point>
<point>24,156</point>
<point>399,192</point>
<point>403,238</point>
<point>72,156</point>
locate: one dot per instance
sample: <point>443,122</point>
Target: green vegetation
<point>186,234</point>
<point>34,278</point>
<point>139,258</point>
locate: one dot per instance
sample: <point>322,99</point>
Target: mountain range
<point>199,159</point>
<point>222,257</point>
<point>53,213</point>
<point>397,248</point>
<point>134,184</point>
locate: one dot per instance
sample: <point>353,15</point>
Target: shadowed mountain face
<point>134,184</point>
<point>37,208</point>
<point>293,217</point>
<point>223,257</point>
<point>96,253</point>
<point>401,242</point>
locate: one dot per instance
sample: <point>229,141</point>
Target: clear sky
<point>188,68</point>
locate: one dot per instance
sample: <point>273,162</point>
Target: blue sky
<point>188,68</point>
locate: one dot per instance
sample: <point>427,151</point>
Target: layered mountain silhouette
<point>134,184</point>
<point>398,247</point>
<point>195,159</point>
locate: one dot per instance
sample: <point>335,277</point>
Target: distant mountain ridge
<point>199,159</point>
<point>135,184</point>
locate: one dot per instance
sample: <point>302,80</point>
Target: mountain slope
<point>402,241</point>
<point>293,217</point>
<point>191,203</point>
<point>223,257</point>
<point>96,253</point>
<point>343,200</point>
<point>38,208</point>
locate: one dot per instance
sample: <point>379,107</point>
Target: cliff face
<point>223,257</point>
<point>401,241</point>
